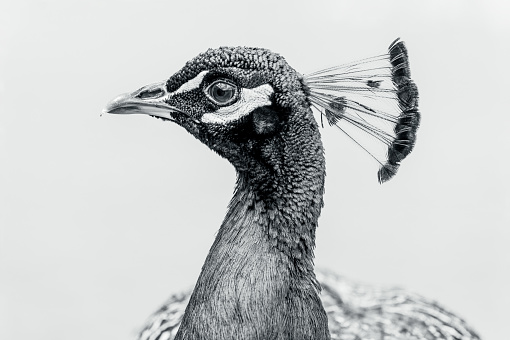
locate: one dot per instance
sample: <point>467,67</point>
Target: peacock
<point>258,280</point>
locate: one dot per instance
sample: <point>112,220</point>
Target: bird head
<point>251,107</point>
<point>238,101</point>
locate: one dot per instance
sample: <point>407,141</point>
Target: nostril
<point>153,93</point>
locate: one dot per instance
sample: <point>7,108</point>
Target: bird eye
<point>222,92</point>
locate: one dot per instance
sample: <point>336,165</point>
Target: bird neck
<point>258,280</point>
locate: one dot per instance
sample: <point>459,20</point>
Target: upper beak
<point>149,100</point>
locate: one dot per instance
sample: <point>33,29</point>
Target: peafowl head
<point>237,101</point>
<point>251,107</point>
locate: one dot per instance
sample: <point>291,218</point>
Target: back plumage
<point>355,311</point>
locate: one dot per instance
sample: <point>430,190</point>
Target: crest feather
<point>374,98</point>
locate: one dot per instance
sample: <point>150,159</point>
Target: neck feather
<point>258,280</point>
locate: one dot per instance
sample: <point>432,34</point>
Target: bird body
<point>258,280</point>
<point>354,310</point>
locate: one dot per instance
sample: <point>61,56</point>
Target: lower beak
<point>148,100</point>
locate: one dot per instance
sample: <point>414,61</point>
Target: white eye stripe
<point>249,100</point>
<point>191,84</point>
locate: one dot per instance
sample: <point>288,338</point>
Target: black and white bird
<point>258,281</point>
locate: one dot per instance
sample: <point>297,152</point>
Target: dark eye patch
<point>196,102</point>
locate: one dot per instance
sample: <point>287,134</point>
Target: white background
<point>103,217</point>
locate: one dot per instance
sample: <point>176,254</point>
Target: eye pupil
<point>222,92</point>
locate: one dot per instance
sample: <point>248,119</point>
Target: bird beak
<point>148,100</point>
